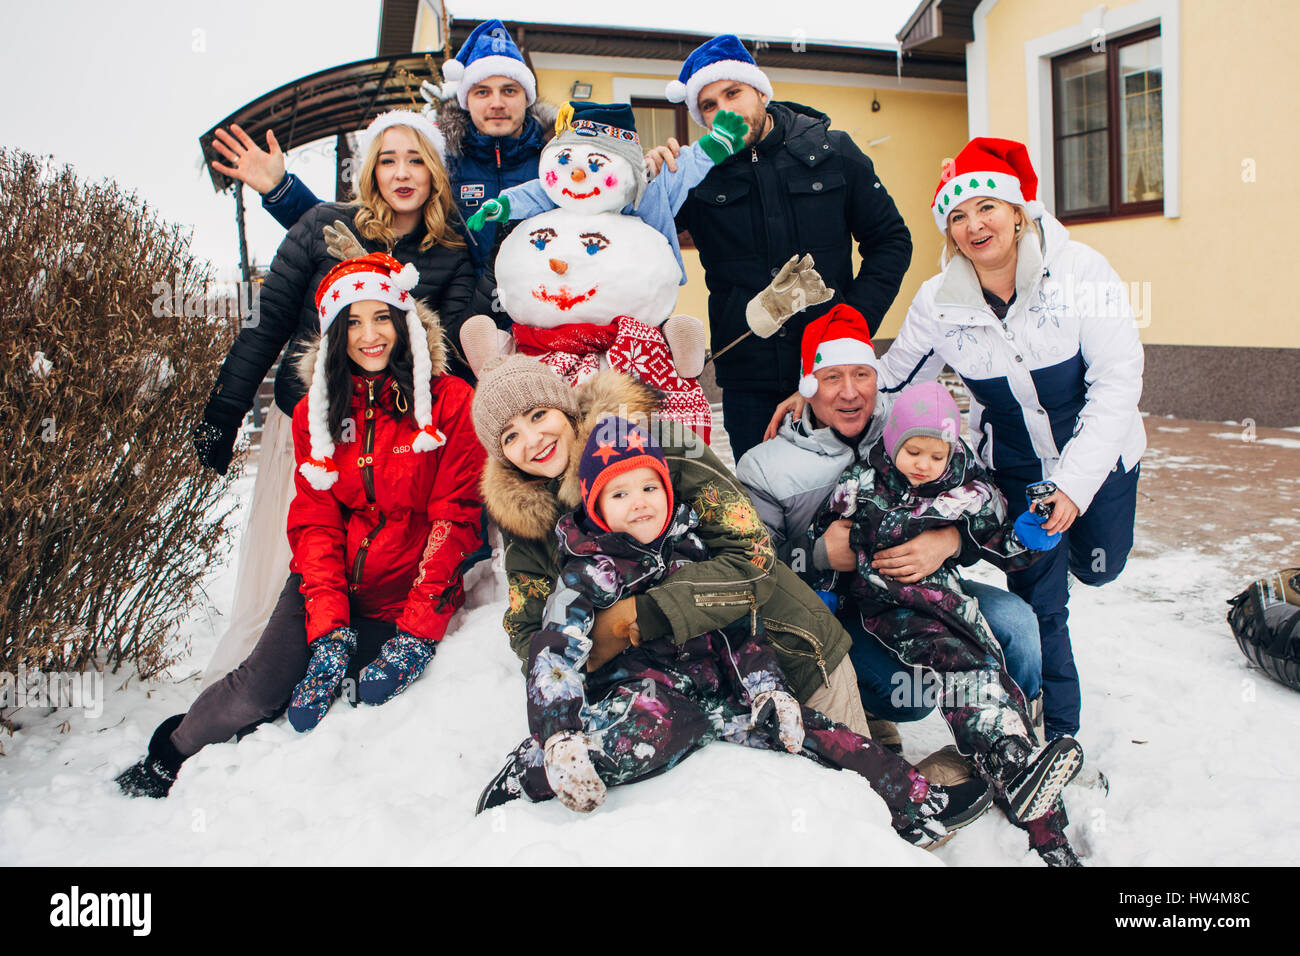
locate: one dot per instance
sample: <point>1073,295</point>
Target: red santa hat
<point>840,337</point>
<point>987,167</point>
<point>374,277</point>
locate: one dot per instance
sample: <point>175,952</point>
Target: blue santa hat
<point>488,51</point>
<point>722,58</point>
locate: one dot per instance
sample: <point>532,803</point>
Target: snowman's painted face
<point>563,267</point>
<point>586,178</point>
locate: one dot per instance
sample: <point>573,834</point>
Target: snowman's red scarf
<point>632,347</point>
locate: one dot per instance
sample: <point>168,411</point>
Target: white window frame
<point>1103,24</point>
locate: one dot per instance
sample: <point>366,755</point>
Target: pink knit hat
<point>925,409</point>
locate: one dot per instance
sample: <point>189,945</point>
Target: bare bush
<point>109,522</point>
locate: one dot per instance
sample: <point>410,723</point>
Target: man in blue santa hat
<point>797,187</point>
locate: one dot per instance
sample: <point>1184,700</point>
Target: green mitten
<point>494,210</point>
<point>727,136</point>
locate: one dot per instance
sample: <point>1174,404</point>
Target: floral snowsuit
<point>654,704</point>
<point>933,623</point>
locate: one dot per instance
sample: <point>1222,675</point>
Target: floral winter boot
<point>401,660</point>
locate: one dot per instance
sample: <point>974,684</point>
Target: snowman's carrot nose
<point>578,175</point>
<point>559,266</point>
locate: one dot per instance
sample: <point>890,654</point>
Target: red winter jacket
<point>387,539</point>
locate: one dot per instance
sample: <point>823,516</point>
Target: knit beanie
<point>615,447</point>
<point>608,126</point>
<point>511,385</point>
<point>925,409</point>
<point>373,277</point>
<point>415,121</point>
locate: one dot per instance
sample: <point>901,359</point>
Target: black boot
<point>946,810</point>
<point>1063,855</point>
<point>1031,781</point>
<point>154,775</point>
<point>502,789</point>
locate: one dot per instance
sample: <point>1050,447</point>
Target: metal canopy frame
<point>333,102</point>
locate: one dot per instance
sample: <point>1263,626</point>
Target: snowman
<point>587,286</point>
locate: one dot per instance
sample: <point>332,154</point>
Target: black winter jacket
<point>285,312</point>
<point>803,188</point>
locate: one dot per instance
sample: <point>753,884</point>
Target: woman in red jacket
<point>385,511</point>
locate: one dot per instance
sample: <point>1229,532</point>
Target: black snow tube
<point>1265,619</point>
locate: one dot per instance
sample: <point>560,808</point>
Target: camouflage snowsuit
<point>654,704</point>
<point>933,623</point>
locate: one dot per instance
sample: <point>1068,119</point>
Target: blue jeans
<point>882,678</point>
<point>1095,551</point>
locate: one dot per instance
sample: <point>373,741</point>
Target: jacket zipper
<point>731,599</point>
<point>753,154</point>
<point>366,462</point>
<point>816,652</point>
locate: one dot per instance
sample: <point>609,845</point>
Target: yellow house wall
<point>1213,271</point>
<point>923,129</point>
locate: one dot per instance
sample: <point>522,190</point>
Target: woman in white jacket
<point>1040,330</point>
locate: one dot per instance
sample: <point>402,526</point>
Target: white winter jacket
<point>1056,385</point>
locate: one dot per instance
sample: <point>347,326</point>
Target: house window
<point>1108,129</point>
<point>657,120</point>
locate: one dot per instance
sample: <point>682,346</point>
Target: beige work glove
<point>796,287</point>
<point>341,243</point>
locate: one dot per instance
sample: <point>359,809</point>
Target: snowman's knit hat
<point>611,126</point>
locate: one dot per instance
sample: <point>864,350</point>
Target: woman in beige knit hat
<point>534,426</point>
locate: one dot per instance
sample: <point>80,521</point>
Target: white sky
<point>136,82</point>
<point>858,22</point>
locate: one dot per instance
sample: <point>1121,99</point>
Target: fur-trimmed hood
<point>305,361</point>
<point>455,124</point>
<point>528,507</point>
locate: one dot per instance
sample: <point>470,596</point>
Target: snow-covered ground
<point>1198,748</point>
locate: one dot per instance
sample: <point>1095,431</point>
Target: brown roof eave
<point>675,46</point>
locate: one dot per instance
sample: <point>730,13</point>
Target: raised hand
<point>494,210</point>
<point>262,169</point>
<point>726,138</point>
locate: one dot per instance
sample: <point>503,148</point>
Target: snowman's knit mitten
<point>494,210</point>
<point>570,772</point>
<point>726,138</point>
<point>480,340</point>
<point>685,337</point>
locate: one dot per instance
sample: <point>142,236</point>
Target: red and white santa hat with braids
<point>374,277</point>
<point>840,337</point>
<point>987,167</point>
